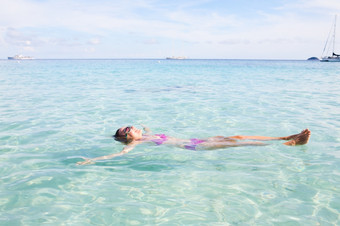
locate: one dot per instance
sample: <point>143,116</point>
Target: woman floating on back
<point>131,136</point>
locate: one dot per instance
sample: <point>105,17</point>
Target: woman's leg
<point>291,137</point>
<point>217,145</point>
<point>242,137</point>
<point>225,142</point>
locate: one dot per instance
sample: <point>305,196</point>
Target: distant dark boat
<point>313,58</point>
<point>330,43</point>
<point>20,57</point>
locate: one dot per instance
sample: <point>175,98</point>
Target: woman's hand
<point>146,129</point>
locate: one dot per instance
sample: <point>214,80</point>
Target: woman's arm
<point>125,150</point>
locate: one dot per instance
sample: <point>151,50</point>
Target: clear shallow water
<point>53,112</point>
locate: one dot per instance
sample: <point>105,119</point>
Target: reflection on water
<point>55,112</point>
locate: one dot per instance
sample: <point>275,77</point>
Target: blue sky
<point>227,29</point>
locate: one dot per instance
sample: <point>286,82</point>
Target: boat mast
<point>334,34</point>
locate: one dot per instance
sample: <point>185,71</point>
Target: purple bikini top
<point>162,138</point>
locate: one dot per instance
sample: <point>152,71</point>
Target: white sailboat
<point>330,43</point>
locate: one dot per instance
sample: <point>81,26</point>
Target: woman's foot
<point>292,137</point>
<point>299,139</point>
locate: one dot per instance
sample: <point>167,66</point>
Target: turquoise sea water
<point>53,112</point>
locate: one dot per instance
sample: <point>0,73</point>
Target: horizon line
<point>127,58</point>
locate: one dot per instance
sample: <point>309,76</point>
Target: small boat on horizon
<point>176,58</point>
<point>20,57</point>
<point>330,42</point>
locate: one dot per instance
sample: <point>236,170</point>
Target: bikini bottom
<point>193,143</point>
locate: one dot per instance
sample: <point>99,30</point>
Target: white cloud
<point>328,6</point>
<point>151,41</point>
<point>94,41</point>
<point>81,23</point>
<point>15,37</point>
<point>90,50</point>
<point>120,17</point>
<point>29,49</point>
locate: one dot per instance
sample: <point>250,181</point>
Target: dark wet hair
<point>120,138</point>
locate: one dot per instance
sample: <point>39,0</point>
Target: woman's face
<point>131,132</point>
